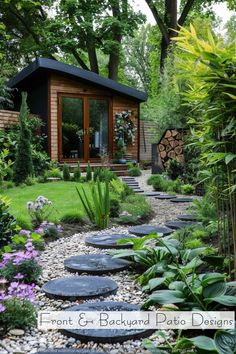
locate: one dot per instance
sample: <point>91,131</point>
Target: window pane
<point>72,128</point>
<point>98,127</point>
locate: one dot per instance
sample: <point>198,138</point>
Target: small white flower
<point>30,205</point>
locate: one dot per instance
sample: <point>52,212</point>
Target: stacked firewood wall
<point>171,146</point>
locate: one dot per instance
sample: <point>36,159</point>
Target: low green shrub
<point>88,172</point>
<point>8,225</point>
<point>114,207</point>
<point>54,172</point>
<point>194,244</point>
<point>18,313</point>
<point>103,174</point>
<point>73,217</point>
<point>205,209</point>
<point>134,171</point>
<point>187,189</point>
<point>66,172</point>
<point>135,209</point>
<point>30,181</point>
<point>29,269</point>
<point>175,169</point>
<point>77,173</point>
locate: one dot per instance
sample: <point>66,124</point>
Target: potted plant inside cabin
<point>124,134</point>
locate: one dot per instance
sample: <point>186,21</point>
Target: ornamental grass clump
<point>98,211</point>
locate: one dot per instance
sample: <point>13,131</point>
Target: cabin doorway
<point>83,127</point>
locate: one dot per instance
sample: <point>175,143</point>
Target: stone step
<point>144,230</point>
<point>95,264</point>
<point>178,224</point>
<point>79,287</point>
<point>106,335</point>
<point>107,241</point>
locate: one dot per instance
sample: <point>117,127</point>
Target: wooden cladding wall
<point>8,118</point>
<point>147,137</point>
<point>60,84</point>
<point>121,104</point>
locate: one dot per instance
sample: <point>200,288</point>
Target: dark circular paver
<point>165,196</point>
<point>138,190</point>
<point>69,351</point>
<point>107,241</point>
<point>106,335</point>
<point>132,183</point>
<point>128,179</point>
<point>86,287</point>
<point>151,194</point>
<point>181,200</point>
<point>149,229</point>
<point>187,217</point>
<point>95,264</point>
<point>178,224</point>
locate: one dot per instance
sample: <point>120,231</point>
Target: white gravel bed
<point>52,262</point>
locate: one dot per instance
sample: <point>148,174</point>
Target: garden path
<point>52,261</point>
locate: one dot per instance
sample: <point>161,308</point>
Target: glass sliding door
<point>98,127</point>
<point>72,120</point>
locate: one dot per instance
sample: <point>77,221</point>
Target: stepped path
<point>112,282</point>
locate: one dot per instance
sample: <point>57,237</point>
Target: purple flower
<point>19,276</point>
<point>39,231</point>
<point>2,308</point>
<point>25,232</point>
<point>3,296</point>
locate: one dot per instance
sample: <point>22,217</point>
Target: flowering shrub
<point>21,265</point>
<point>49,229</point>
<point>40,209</point>
<point>124,128</point>
<point>21,239</point>
<point>16,305</point>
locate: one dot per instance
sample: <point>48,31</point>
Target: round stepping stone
<point>69,351</point>
<point>107,241</point>
<point>132,183</point>
<point>128,179</point>
<point>187,217</point>
<point>181,200</point>
<point>106,335</point>
<point>178,224</point>
<point>151,194</point>
<point>95,264</point>
<point>165,196</point>
<point>138,190</point>
<point>149,229</point>
<point>86,287</point>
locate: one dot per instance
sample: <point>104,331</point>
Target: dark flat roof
<point>76,73</point>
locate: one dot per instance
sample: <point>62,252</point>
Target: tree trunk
<point>170,19</point>
<point>93,61</point>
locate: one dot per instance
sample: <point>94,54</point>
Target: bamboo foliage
<point>209,67</point>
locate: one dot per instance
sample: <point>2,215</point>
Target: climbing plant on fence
<point>210,68</point>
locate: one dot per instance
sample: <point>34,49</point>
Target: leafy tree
<point>141,59</point>
<point>74,31</point>
<point>23,166</point>
<point>165,13</point>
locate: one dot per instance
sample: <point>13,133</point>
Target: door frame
<point>85,99</point>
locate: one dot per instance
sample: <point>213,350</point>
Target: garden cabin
<point>78,108</point>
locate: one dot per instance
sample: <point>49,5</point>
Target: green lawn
<point>62,194</point>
